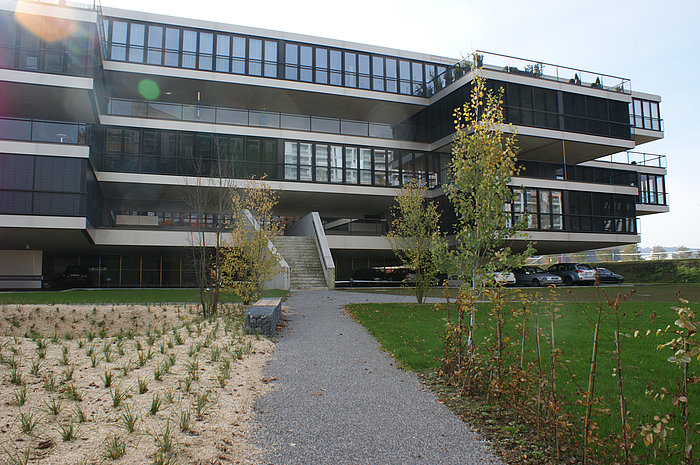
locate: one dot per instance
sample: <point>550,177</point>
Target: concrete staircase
<point>302,256</point>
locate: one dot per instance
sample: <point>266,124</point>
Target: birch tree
<point>414,227</point>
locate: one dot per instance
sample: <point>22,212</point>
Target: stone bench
<point>262,316</point>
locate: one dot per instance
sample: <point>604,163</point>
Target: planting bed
<point>134,384</point>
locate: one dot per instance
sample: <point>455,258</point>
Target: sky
<point>655,44</point>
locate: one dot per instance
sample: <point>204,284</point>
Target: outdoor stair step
<point>301,254</point>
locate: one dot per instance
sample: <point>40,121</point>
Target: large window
<point>538,208</point>
<point>646,114</point>
<point>157,44</point>
<point>652,189</point>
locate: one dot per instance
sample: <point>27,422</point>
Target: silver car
<point>535,276</point>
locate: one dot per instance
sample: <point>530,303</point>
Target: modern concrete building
<point>109,117</point>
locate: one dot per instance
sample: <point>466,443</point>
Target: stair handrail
<point>281,280</point>
<point>311,226</point>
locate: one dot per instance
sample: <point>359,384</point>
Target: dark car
<point>607,276</point>
<point>574,273</point>
<point>369,277</point>
<point>73,276</point>
<point>399,275</point>
<point>535,276</point>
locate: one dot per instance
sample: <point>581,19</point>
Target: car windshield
<point>537,269</point>
<point>584,266</point>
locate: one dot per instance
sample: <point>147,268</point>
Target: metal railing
<point>526,67</point>
<point>252,118</point>
<point>43,131</point>
<point>635,158</point>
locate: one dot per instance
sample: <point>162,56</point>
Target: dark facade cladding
<point>94,170</point>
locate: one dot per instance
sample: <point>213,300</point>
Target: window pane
<point>305,162</point>
<point>270,58</point>
<point>365,166</point>
<point>255,57</point>
<point>238,55</point>
<point>390,64</point>
<point>290,160</point>
<point>350,69</point>
<point>363,62</point>
<point>336,78</point>
<point>306,62</point>
<point>336,163</point>
<point>291,60</point>
<point>377,73</point>
<point>404,77</point>
<point>206,48</point>
<point>155,44</point>
<point>189,49</point>
<point>136,42</point>
<point>351,165</point>
<point>418,83</point>
<point>321,163</point>
<point>321,65</point>
<point>223,46</point>
<point>118,50</point>
<point>172,46</point>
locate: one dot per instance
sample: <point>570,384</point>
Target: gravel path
<point>339,399</point>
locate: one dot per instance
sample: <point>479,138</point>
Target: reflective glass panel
<point>206,48</point>
<point>350,69</point>
<point>321,65</point>
<point>172,47</point>
<point>306,63</point>
<point>223,46</point>
<point>255,57</point>
<point>136,42</point>
<point>238,55</point>
<point>189,49</point>
<point>270,58</point>
<point>155,45</point>
<point>336,76</point>
<point>291,61</point>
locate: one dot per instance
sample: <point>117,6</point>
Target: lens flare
<point>50,29</point>
<point>149,89</point>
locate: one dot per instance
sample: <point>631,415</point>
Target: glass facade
<point>36,185</point>
<point>75,54</point>
<point>526,106</point>
<point>183,47</point>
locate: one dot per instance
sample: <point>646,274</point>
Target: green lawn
<point>117,296</point>
<point>638,292</point>
<point>413,334</point>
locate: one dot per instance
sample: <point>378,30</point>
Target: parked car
<point>399,275</point>
<point>607,276</point>
<point>504,278</point>
<point>535,276</point>
<point>574,273</point>
<point>73,276</point>
<point>369,277</point>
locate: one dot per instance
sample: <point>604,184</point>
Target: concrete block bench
<point>262,316</point>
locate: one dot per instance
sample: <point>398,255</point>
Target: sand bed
<point>57,361</point>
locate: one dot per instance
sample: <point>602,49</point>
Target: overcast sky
<point>654,44</point>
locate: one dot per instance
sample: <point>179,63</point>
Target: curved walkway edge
<point>339,399</point>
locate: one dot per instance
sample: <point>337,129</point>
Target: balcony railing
<point>251,118</point>
<point>43,131</point>
<point>530,68</point>
<point>635,158</point>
